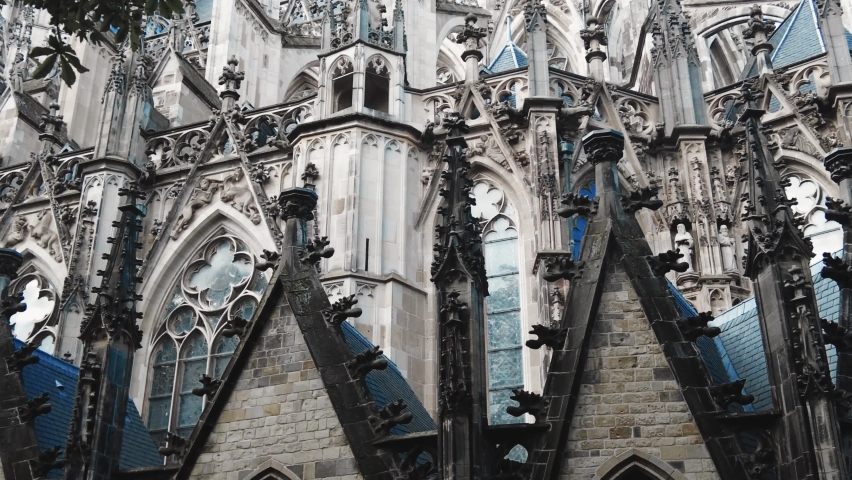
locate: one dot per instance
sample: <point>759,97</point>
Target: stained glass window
<point>503,305</point>
<point>217,285</point>
<point>579,229</point>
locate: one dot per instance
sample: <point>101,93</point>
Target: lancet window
<point>377,86</point>
<point>578,231</point>
<point>342,84</point>
<point>218,284</point>
<point>503,305</point>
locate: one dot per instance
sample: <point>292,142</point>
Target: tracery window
<point>341,84</point>
<point>34,323</point>
<point>503,305</point>
<point>377,86</point>
<point>219,283</point>
<point>556,58</point>
<point>827,236</point>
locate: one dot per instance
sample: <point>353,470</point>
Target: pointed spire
<point>834,33</point>
<point>400,43</point>
<point>594,37</point>
<point>509,28</point>
<point>778,262</point>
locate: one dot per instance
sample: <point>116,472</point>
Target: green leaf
<point>66,72</point>
<point>75,62</point>
<point>41,51</point>
<point>46,66</point>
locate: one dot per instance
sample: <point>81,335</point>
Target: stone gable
<point>629,398</point>
<point>279,410</point>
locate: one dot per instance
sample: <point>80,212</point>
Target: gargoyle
<point>552,337</point>
<point>836,269</point>
<point>12,304</point>
<point>341,310</point>
<point>47,461</point>
<point>667,262</point>
<point>315,250</point>
<point>209,386</point>
<point>838,211</point>
<point>176,445</point>
<point>694,327</point>
<point>643,198</point>
<point>576,204</point>
<point>528,402</point>
<point>23,357</point>
<point>270,260</point>
<point>836,335</point>
<point>728,393</point>
<point>35,407</point>
<point>390,416</point>
<point>561,268</point>
<point>367,361</point>
<point>235,327</point>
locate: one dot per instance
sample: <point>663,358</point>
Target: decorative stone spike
<point>551,337</point>
<point>341,310</point>
<point>575,204</point>
<point>836,335</point>
<point>561,268</point>
<point>729,393</point>
<point>667,262</point>
<point>47,462</point>
<point>316,250</point>
<point>528,402</point>
<point>367,361</point>
<point>209,386</point>
<point>693,328</point>
<point>34,408</point>
<point>23,357</point>
<point>175,445</point>
<point>643,198</point>
<point>390,416</point>
<point>270,260</point>
<point>235,327</point>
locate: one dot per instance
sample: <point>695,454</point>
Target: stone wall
<point>279,410</point>
<point>629,398</point>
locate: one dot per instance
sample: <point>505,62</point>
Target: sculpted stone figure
<point>45,237</point>
<point>201,196</point>
<point>726,245</point>
<point>684,244</point>
<point>17,233</point>
<point>239,196</point>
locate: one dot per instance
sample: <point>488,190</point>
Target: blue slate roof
<point>389,385</point>
<point>797,38</point>
<point>59,379</point>
<point>204,9</point>
<point>509,57</point>
<point>741,341</point>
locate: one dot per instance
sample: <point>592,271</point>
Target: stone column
<point>231,79</point>
<point>594,37</point>
<point>758,30</point>
<point>18,437</point>
<point>472,55</point>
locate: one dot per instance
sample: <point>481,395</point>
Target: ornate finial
<point>604,146</point>
<point>231,79</point>
<point>470,35</point>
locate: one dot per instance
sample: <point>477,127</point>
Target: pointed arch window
<point>36,324</point>
<point>341,84</point>
<point>377,86</point>
<point>503,305</point>
<point>218,284</point>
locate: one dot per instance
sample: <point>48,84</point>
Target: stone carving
<point>270,260</point>
<point>176,445</point>
<point>684,244</point>
<point>488,147</point>
<point>239,196</point>
<point>836,335</point>
<point>561,268</point>
<point>727,248</point>
<point>17,233</point>
<point>643,198</point>
<point>44,235</point>
<point>47,461</point>
<point>316,250</point>
<point>838,211</point>
<point>34,408</point>
<point>209,386</point>
<point>728,393</point>
<point>667,262</point>
<point>575,204</point>
<point>793,139</point>
<point>367,361</point>
<point>551,337</point>
<point>341,310</point>
<point>390,416</point>
<point>201,196</point>
<point>692,328</point>
<point>834,268</point>
<point>235,327</point>
<point>528,402</point>
<point>23,357</point>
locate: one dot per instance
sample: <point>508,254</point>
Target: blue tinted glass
<point>218,278</point>
<point>158,413</point>
<point>190,410</point>
<point>505,368</point>
<point>504,329</point>
<point>504,293</point>
<point>501,257</point>
<point>499,400</point>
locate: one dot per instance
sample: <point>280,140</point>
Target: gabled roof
<point>389,385</point>
<point>797,38</point>
<point>59,379</point>
<point>742,343</point>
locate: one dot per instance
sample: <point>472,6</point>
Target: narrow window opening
<point>377,86</point>
<point>367,256</point>
<point>342,85</point>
